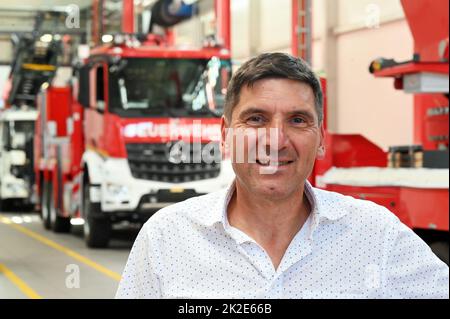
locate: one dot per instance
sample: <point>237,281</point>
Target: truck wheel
<point>58,223</point>
<point>45,205</point>
<point>5,205</point>
<point>97,228</point>
<point>441,249</point>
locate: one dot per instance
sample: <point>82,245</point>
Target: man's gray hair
<point>272,65</point>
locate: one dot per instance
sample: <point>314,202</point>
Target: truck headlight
<point>117,190</point>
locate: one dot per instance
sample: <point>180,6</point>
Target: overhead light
<point>106,38</point>
<point>47,38</point>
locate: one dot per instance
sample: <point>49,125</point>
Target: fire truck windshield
<point>145,87</point>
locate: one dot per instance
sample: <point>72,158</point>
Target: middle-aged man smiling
<point>271,234</point>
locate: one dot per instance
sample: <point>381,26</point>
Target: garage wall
<point>365,30</point>
<point>5,50</point>
<point>370,105</point>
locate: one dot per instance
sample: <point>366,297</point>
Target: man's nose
<point>276,136</point>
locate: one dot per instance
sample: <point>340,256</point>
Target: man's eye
<point>298,120</point>
<point>255,119</point>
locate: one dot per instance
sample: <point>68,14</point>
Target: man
<point>272,235</point>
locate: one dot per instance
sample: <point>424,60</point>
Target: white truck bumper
<point>120,191</point>
<point>12,187</point>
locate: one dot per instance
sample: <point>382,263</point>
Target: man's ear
<point>321,150</point>
<point>223,132</point>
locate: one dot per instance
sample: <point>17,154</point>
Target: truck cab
<point>137,128</point>
<point>152,131</point>
<point>16,157</point>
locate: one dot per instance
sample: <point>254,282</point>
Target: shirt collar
<point>219,210</point>
<point>218,213</point>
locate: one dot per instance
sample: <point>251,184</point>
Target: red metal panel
<point>161,52</point>
<point>114,140</point>
<point>411,68</point>
<point>37,148</point>
<point>301,25</point>
<point>428,21</point>
<point>95,23</point>
<point>354,150</point>
<point>58,108</point>
<point>77,140</point>
<point>128,16</point>
<point>437,126</point>
<point>348,150</point>
<point>295,24</point>
<point>418,208</point>
<point>426,126</point>
<point>223,20</point>
<point>388,197</point>
<point>426,208</point>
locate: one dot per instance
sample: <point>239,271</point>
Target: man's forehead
<point>299,97</point>
<point>271,81</point>
<point>280,89</point>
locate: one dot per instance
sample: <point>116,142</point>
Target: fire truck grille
<point>163,163</point>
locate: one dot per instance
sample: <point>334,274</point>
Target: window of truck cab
<point>97,83</point>
<point>169,87</point>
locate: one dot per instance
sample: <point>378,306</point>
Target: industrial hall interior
<point>116,113</point>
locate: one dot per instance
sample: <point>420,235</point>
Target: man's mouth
<point>268,162</point>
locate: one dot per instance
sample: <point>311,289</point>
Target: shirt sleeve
<point>411,269</point>
<point>140,278</point>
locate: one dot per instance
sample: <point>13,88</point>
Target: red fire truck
<point>138,128</point>
<point>37,55</point>
<point>412,181</point>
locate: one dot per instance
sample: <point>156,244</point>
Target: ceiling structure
<point>16,18</point>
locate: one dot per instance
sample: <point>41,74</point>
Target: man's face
<point>279,117</point>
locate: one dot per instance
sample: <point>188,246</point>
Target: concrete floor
<point>37,263</point>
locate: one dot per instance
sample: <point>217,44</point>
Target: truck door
<point>94,130</point>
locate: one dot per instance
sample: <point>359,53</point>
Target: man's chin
<point>271,191</point>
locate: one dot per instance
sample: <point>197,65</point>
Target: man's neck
<point>271,223</point>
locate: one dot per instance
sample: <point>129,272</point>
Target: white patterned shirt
<point>347,248</point>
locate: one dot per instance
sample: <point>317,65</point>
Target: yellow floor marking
<point>67,251</point>
<point>19,283</point>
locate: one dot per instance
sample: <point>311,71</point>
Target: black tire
<point>45,205</point>
<point>58,223</point>
<point>97,227</point>
<point>441,249</point>
<point>6,205</point>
